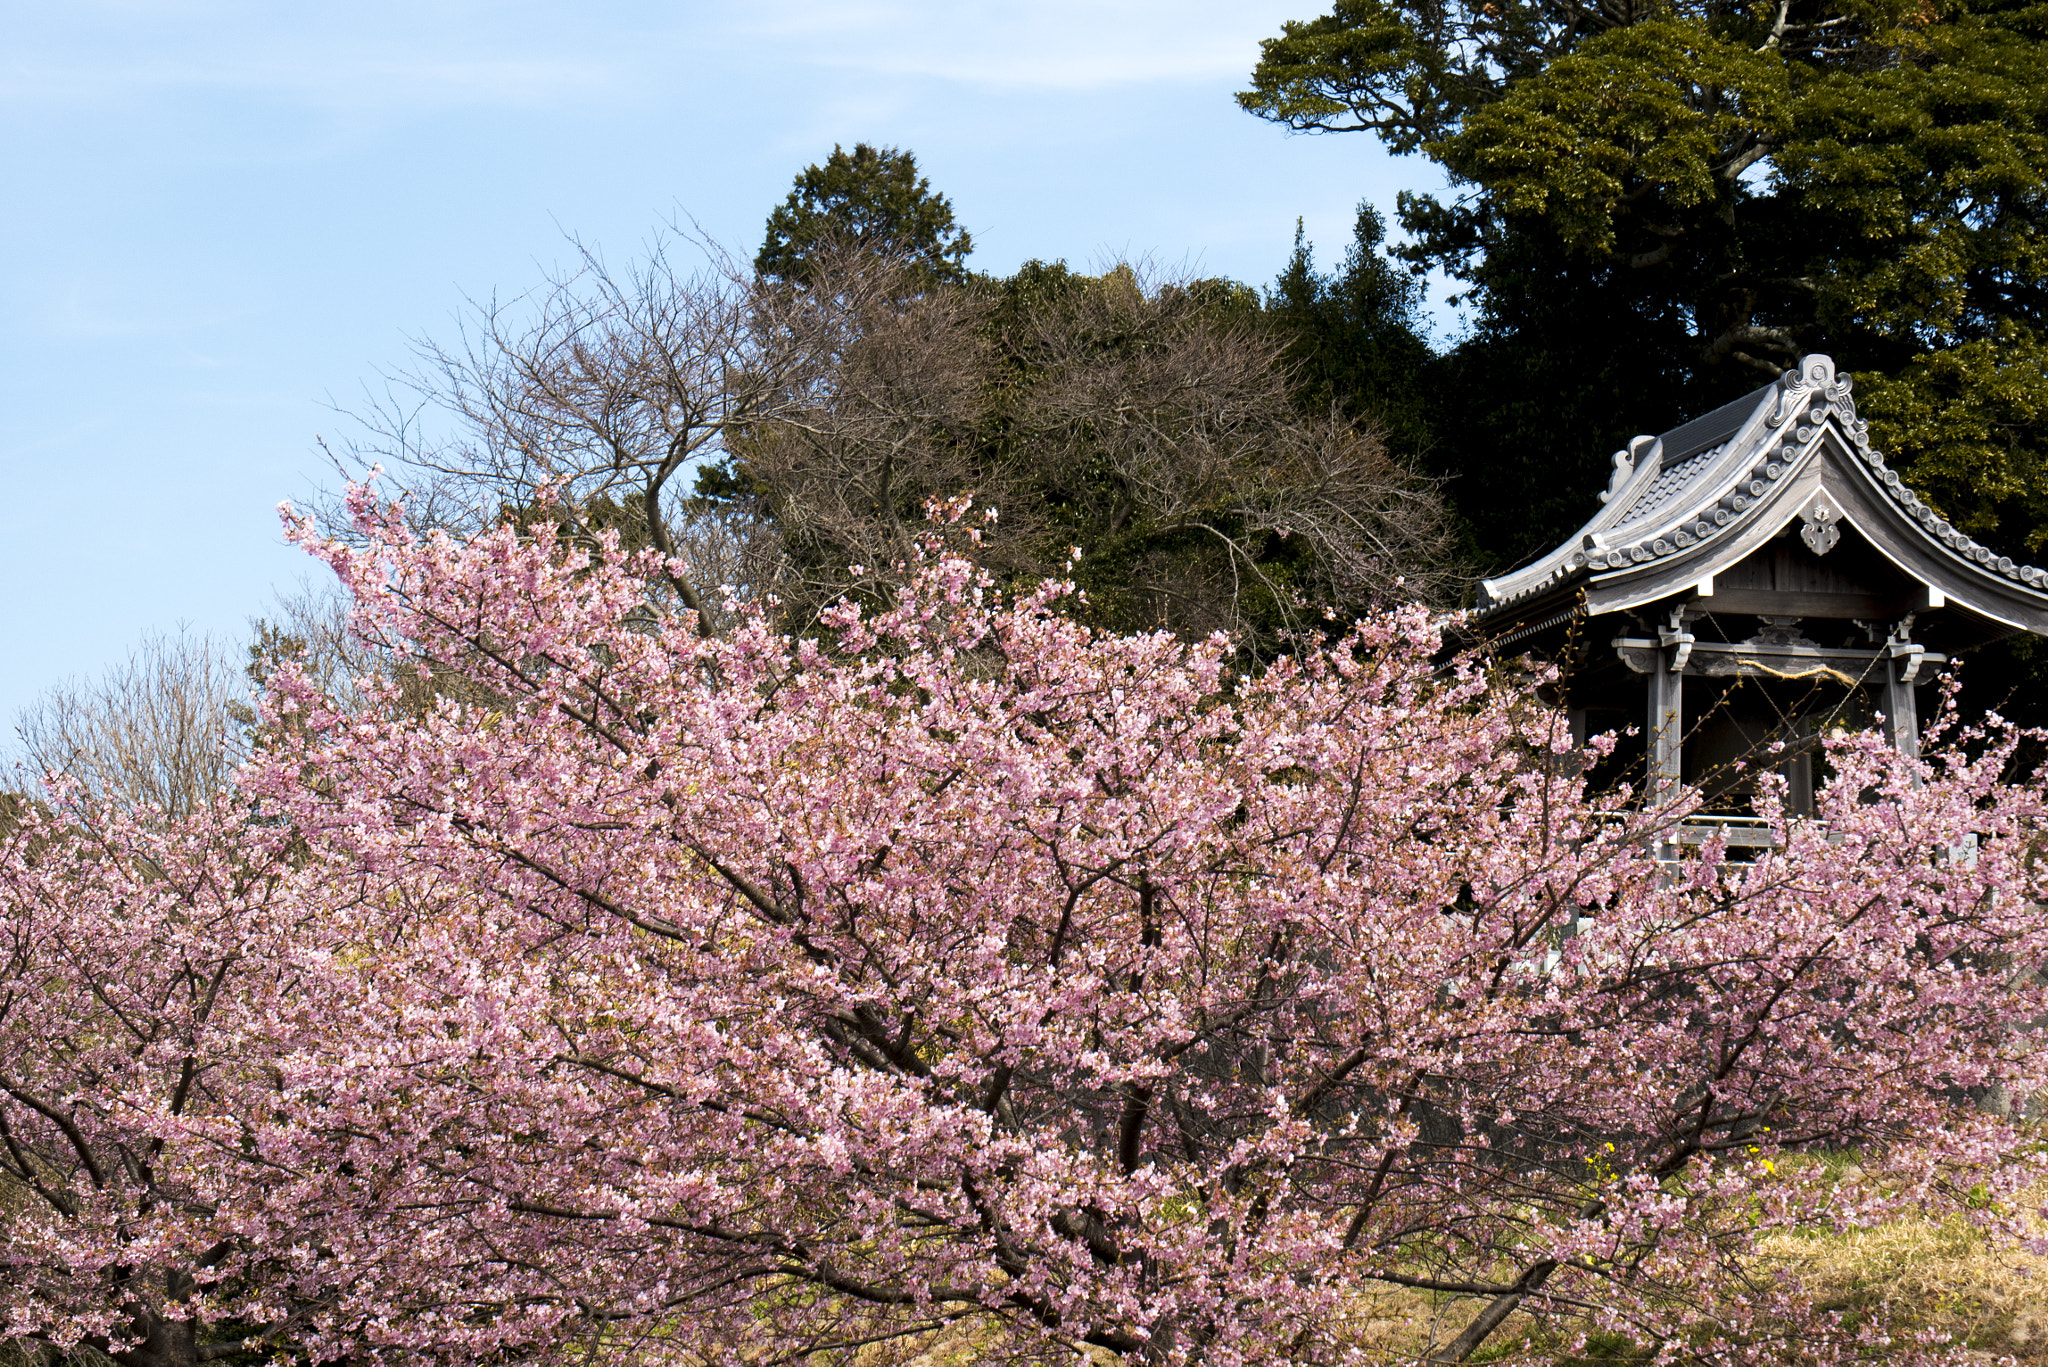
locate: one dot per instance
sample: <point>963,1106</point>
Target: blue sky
<point>219,218</point>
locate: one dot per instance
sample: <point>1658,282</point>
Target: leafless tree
<point>887,412</point>
<point>596,390</point>
<point>1155,405</point>
<point>154,734</point>
<point>841,407</point>
<point>1119,403</point>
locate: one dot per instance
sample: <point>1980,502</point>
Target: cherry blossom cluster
<point>700,999</point>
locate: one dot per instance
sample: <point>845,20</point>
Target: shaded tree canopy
<point>1685,197</point>
<point>1180,435</point>
<point>1359,336</point>
<point>1152,425</point>
<point>782,431</point>
<point>787,441</point>
<point>872,199</point>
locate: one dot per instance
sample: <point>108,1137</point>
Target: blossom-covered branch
<point>687,995</point>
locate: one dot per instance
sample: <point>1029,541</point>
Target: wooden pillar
<point>1665,734</point>
<point>1799,769</point>
<point>1901,715</point>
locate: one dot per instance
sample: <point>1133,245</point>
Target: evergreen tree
<point>1360,342</point>
<point>1689,196</point>
<point>1565,360</point>
<point>872,199</point>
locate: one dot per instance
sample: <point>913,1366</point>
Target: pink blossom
<point>694,994</point>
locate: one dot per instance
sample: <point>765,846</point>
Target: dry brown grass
<point>1399,1327</point>
<point>1912,1274</point>
<point>1925,1274</point>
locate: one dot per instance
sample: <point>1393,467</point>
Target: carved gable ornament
<point>1817,528</point>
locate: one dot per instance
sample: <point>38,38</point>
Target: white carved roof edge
<point>1736,501</point>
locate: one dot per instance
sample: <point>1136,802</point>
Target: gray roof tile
<point>1665,488</point>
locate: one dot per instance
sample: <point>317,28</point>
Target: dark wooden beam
<point>1863,607</point>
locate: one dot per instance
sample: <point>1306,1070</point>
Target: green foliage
<point>1967,422</point>
<point>1686,196</point>
<point>1144,420</point>
<point>1141,567</point>
<point>723,482</point>
<point>583,523</point>
<point>1367,64</point>
<point>1358,335</point>
<point>1643,115</point>
<point>1566,358</point>
<point>871,199</point>
<point>1925,180</point>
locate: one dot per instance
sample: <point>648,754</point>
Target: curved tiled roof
<point>1716,475</point>
<point>1669,483</point>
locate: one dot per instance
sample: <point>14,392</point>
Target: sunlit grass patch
<point>1924,1274</point>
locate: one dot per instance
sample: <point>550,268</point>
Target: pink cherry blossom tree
<point>689,999</point>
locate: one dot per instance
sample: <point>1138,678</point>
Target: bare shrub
<point>155,733</point>
<point>782,441</point>
<point>1155,406</point>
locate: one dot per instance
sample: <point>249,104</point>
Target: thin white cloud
<point>396,59</point>
<point>1053,44</point>
<point>321,78</point>
<point>109,311</point>
<point>121,54</point>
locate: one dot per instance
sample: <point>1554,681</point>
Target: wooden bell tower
<point>1755,577</point>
